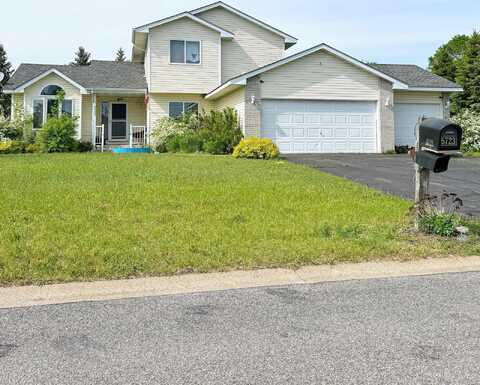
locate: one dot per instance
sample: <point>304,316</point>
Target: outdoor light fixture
<point>253,99</point>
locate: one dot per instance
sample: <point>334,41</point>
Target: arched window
<point>51,90</point>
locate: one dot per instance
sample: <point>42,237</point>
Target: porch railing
<point>100,137</point>
<point>138,136</point>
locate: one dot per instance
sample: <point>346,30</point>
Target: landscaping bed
<point>88,216</point>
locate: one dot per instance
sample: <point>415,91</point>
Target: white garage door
<point>406,117</point>
<point>320,126</point>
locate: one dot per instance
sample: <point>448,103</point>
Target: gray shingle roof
<point>414,76</point>
<point>98,75</point>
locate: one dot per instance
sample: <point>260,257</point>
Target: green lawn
<point>91,216</point>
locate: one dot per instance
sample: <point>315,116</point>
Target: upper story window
<point>51,90</point>
<point>184,52</point>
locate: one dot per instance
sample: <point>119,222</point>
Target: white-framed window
<point>46,104</point>
<point>185,52</point>
<point>176,109</point>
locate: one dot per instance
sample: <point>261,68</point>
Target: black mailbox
<point>431,161</point>
<point>440,135</point>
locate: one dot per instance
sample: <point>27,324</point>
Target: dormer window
<point>184,52</point>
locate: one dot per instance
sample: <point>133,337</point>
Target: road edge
<point>26,296</point>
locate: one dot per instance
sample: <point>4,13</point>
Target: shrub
<point>57,134</point>
<point>11,147</point>
<point>15,128</point>
<point>172,143</point>
<point>164,129</point>
<point>438,215</point>
<point>83,146</point>
<point>32,148</point>
<point>470,123</point>
<point>256,148</point>
<point>190,142</point>
<point>220,131</point>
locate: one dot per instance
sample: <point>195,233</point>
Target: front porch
<point>115,120</point>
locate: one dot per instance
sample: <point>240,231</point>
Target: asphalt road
<point>395,174</point>
<point>422,330</point>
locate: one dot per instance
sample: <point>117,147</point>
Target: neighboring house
<point>318,100</point>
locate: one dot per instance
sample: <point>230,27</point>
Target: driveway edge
<point>12,297</point>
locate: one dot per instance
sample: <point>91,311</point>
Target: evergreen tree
<point>82,57</point>
<point>121,56</point>
<point>6,70</point>
<point>469,75</point>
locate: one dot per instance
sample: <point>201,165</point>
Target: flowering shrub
<point>256,148</point>
<point>164,129</point>
<point>470,123</point>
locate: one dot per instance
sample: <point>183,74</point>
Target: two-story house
<point>317,100</point>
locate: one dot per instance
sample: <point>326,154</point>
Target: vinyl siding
<point>147,63</point>
<point>86,118</point>
<point>71,92</point>
<point>136,112</point>
<point>319,76</point>
<point>158,104</point>
<point>184,78</point>
<point>235,99</point>
<point>417,97</point>
<point>17,104</point>
<point>252,46</point>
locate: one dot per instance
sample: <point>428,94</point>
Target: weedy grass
<point>74,217</point>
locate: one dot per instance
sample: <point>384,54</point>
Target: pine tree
<point>121,56</point>
<point>6,70</point>
<point>82,57</point>
<point>469,75</point>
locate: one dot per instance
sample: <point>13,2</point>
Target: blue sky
<point>401,31</point>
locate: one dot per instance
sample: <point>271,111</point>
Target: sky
<point>401,31</point>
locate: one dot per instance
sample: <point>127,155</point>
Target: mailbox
<point>431,161</point>
<point>439,135</point>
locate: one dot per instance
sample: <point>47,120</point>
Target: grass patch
<point>89,216</point>
<point>472,154</point>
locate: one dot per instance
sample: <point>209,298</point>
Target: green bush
<point>12,147</point>
<point>220,131</point>
<point>256,148</point>
<point>32,148</point>
<point>165,128</point>
<point>439,215</point>
<point>439,224</point>
<point>215,132</point>
<point>15,128</point>
<point>470,123</point>
<point>83,146</point>
<point>57,134</point>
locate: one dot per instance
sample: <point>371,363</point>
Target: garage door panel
<point>320,126</point>
<point>406,116</point>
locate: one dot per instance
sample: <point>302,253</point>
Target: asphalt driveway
<point>395,174</point>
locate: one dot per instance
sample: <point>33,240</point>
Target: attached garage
<point>406,118</point>
<point>314,126</point>
<point>323,101</point>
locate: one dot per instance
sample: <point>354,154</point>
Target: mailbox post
<point>437,141</point>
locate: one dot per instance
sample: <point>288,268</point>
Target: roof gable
<point>22,87</point>
<point>241,79</point>
<point>146,28</point>
<point>99,75</point>
<point>289,39</point>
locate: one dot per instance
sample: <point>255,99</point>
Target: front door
<point>118,123</point>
